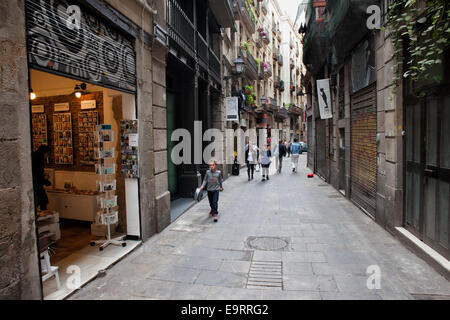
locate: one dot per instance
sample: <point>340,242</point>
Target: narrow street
<point>318,245</point>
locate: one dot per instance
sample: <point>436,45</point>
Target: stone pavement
<point>320,244</point>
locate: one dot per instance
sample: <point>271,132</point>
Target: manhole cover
<point>267,243</point>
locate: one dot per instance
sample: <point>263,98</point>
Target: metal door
<point>428,169</point>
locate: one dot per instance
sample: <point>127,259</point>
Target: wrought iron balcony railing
<point>214,65</point>
<point>181,29</point>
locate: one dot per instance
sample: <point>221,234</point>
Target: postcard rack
<point>108,210</point>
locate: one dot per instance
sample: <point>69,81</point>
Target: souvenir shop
<point>83,108</point>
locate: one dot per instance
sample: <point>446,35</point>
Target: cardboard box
<point>100,230</point>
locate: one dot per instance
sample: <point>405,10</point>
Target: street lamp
<point>240,65</point>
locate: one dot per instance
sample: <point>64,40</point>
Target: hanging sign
<point>232,108</point>
<point>37,109</point>
<point>61,106</point>
<point>88,104</point>
<point>324,96</point>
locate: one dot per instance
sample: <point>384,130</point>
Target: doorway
<point>428,169</point>
<point>68,205</point>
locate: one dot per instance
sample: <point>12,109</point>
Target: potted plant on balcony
<point>246,46</point>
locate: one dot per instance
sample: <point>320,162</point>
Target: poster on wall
<point>129,148</point>
<point>87,124</point>
<point>324,97</point>
<point>62,138</point>
<point>39,124</point>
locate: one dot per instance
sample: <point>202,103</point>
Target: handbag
<point>257,167</point>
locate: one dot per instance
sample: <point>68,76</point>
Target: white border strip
<point>428,250</point>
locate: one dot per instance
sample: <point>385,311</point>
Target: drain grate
<point>267,243</point>
<point>265,274</point>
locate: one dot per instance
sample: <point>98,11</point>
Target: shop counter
<point>73,206</point>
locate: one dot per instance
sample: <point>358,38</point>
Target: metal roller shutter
<point>321,149</point>
<point>310,144</point>
<point>90,51</point>
<point>364,149</point>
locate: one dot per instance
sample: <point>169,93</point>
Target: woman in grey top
<point>213,183</point>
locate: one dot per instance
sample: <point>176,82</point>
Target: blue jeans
<point>213,197</point>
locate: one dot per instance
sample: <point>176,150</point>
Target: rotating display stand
<point>108,210</point>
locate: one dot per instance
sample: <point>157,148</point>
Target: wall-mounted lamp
<point>79,88</point>
<point>240,65</point>
<point>32,94</point>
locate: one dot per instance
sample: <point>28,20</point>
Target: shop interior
<point>86,175</point>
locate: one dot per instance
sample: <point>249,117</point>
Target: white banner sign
<point>61,106</point>
<point>88,104</point>
<point>324,96</point>
<point>232,104</point>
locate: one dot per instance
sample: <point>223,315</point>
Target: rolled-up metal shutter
<point>364,149</point>
<point>86,49</point>
<point>310,144</point>
<point>321,149</point>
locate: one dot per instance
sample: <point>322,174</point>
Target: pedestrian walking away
<point>295,154</point>
<point>279,153</point>
<point>213,184</point>
<point>265,162</point>
<point>40,157</point>
<point>288,149</point>
<point>251,158</point>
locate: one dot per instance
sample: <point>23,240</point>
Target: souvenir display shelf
<point>39,122</point>
<point>62,138</point>
<point>87,126</point>
<point>108,210</point>
<point>129,140</point>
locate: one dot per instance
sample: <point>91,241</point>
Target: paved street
<point>321,246</point>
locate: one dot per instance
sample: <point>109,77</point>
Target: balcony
<point>281,86</point>
<point>276,82</point>
<point>264,7</point>
<point>251,67</point>
<point>180,28</point>
<point>292,88</point>
<point>272,104</point>
<point>223,11</point>
<point>275,54</point>
<point>281,114</point>
<point>291,63</point>
<point>347,24</point>
<point>315,42</point>
<point>280,59</point>
<point>214,66</point>
<point>243,9</point>
<point>267,70</point>
<point>202,51</point>
<point>294,110</point>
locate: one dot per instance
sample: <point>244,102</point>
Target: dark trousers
<point>213,197</point>
<point>250,169</point>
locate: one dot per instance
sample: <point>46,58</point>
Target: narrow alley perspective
<point>286,238</point>
<point>218,151</point>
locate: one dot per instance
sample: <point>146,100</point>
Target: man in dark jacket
<point>39,181</point>
<point>281,154</point>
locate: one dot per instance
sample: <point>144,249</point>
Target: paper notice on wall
<point>324,96</point>
<point>232,108</point>
<point>133,140</point>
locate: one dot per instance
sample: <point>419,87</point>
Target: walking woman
<point>251,158</point>
<point>265,162</point>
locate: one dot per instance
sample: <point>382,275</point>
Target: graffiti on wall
<point>72,41</point>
